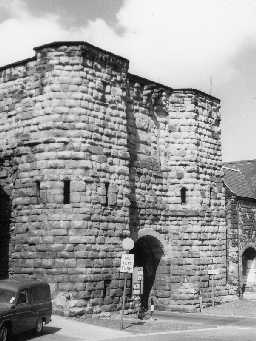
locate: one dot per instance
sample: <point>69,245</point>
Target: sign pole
<point>123,302</point>
<point>127,264</point>
<point>213,290</point>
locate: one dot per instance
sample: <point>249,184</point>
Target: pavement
<point>69,329</point>
<point>239,307</point>
<point>82,330</point>
<point>223,322</point>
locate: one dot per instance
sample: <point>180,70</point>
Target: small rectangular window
<point>106,193</point>
<point>66,192</point>
<point>183,195</point>
<point>103,95</point>
<point>210,197</point>
<point>38,191</point>
<point>106,287</point>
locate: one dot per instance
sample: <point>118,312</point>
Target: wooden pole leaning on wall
<point>123,302</point>
<point>126,266</point>
<point>213,294</point>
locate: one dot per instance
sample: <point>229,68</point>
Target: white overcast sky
<point>205,44</point>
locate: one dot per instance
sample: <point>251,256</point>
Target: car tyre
<point>39,327</point>
<point>4,333</point>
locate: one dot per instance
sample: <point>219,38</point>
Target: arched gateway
<point>148,251</point>
<point>249,272</point>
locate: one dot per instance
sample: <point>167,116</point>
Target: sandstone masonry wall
<point>90,155</point>
<point>174,143</point>
<point>240,220</point>
<point>70,124</point>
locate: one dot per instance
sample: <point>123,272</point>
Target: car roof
<point>16,285</point>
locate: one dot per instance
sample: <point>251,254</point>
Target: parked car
<point>24,305</point>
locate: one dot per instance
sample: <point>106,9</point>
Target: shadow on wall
<point>138,164</point>
<point>132,145</point>
<point>5,218</point>
<point>148,252</point>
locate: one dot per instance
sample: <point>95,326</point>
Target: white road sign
<point>127,263</point>
<point>137,280</point>
<point>138,273</point>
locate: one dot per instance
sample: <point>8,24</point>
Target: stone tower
<point>91,154</point>
<point>177,201</point>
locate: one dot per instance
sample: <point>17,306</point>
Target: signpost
<point>127,264</point>
<point>127,244</point>
<point>211,273</point>
<point>137,281</point>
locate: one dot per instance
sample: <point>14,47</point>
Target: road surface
<point>210,328</point>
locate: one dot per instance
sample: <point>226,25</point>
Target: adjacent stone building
<point>91,154</point>
<point>240,185</point>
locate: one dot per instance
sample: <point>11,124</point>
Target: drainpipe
<point>238,245</point>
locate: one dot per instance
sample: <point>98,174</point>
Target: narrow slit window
<point>66,192</point>
<point>38,191</point>
<point>106,193</point>
<point>210,197</point>
<point>106,287</point>
<point>85,190</point>
<point>103,95</point>
<point>183,195</point>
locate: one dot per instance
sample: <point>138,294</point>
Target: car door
<point>23,317</point>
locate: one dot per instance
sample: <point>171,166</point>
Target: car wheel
<point>39,326</point>
<point>4,333</point>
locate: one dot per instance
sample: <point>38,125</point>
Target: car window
<point>23,297</point>
<point>7,296</point>
<point>40,293</point>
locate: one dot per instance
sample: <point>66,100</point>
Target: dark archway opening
<point>5,218</point>
<point>249,271</point>
<point>147,253</point>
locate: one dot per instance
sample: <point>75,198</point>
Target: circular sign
<point>127,244</point>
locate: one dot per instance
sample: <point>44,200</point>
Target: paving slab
<point>68,327</point>
<point>241,313</point>
<point>239,307</point>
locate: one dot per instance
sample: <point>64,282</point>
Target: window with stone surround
<point>66,192</point>
<point>103,94</point>
<point>106,288</point>
<point>38,191</point>
<point>183,195</point>
<point>210,196</point>
<point>106,193</point>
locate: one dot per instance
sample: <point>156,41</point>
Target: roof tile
<point>240,177</point>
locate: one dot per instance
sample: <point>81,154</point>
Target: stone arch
<point>5,218</point>
<point>148,251</point>
<point>247,246</point>
<point>150,232</point>
<point>249,271</point>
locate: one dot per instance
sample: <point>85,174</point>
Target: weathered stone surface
<point>127,146</point>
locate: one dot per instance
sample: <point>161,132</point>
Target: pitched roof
<point>240,177</point>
